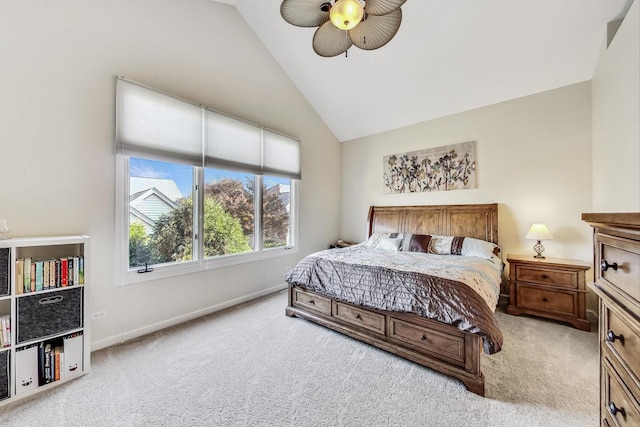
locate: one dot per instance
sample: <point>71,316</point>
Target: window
<point>187,179</point>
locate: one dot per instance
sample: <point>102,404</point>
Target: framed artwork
<point>452,167</point>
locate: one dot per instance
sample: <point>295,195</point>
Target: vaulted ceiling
<point>449,56</point>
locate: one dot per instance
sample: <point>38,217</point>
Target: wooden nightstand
<point>552,287</point>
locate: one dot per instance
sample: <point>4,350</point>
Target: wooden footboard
<point>437,346</point>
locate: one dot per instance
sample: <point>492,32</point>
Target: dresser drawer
<point>312,301</point>
<point>360,317</point>
<point>619,405</point>
<point>446,346</point>
<point>619,265</point>
<point>548,300</point>
<point>622,339</point>
<point>547,276</point>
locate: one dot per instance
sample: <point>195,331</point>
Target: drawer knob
<point>312,302</point>
<point>545,300</point>
<point>544,276</point>
<point>358,317</point>
<point>423,337</point>
<point>612,337</point>
<point>613,410</point>
<point>604,265</point>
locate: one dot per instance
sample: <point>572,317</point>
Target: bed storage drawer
<point>548,300</point>
<point>49,313</point>
<point>311,301</point>
<point>360,317</point>
<point>441,344</point>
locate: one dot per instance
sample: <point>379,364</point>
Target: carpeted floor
<point>253,366</point>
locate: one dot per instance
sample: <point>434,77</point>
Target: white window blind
<point>281,155</point>
<point>151,124</point>
<point>233,144</point>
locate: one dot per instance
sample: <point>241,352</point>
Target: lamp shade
<point>346,14</point>
<point>539,232</point>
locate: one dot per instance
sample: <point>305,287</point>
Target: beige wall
<point>533,159</point>
<point>616,120</point>
<point>57,167</point>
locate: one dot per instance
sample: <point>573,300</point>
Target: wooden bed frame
<point>433,344</point>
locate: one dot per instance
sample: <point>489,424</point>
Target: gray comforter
<point>456,290</point>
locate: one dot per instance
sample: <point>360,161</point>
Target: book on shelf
<point>5,334</point>
<point>19,276</point>
<point>26,283</point>
<point>42,274</point>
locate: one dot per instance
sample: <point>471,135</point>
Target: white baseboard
<point>135,333</point>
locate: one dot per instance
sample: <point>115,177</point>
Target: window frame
<point>126,275</point>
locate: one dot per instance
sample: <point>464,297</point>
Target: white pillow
<point>450,245</point>
<point>477,247</point>
<point>390,240</point>
<point>390,244</point>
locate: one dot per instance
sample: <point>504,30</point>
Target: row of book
<point>37,275</point>
<point>5,334</point>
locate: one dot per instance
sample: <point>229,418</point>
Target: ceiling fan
<point>367,24</point>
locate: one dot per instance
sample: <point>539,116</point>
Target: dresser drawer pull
<point>612,337</point>
<point>358,317</point>
<point>423,338</point>
<point>312,302</point>
<point>613,410</point>
<point>544,276</point>
<point>604,265</point>
<point>545,300</point>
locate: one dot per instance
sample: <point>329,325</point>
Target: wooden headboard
<point>478,221</point>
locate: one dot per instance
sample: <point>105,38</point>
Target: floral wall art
<point>452,167</point>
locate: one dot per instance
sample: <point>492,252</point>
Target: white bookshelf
<point>53,317</point>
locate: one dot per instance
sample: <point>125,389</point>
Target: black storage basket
<point>4,374</point>
<point>49,313</point>
<point>5,271</point>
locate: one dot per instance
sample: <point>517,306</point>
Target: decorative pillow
<point>390,244</point>
<point>416,242</point>
<point>466,246</point>
<point>375,239</point>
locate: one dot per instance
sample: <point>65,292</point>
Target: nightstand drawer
<point>552,301</point>
<point>360,317</point>
<point>619,405</point>
<point>310,300</point>
<point>547,276</point>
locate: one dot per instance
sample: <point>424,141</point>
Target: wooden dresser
<point>617,284</point>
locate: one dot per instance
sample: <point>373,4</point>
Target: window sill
<point>173,270</point>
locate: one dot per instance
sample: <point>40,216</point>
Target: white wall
<point>616,120</point>
<point>533,159</point>
<point>58,62</point>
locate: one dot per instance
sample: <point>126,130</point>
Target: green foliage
<point>228,225</point>
<point>223,233</point>
<point>139,245</point>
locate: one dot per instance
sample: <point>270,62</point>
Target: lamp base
<point>538,248</point>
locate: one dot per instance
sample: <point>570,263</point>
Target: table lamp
<point>538,232</point>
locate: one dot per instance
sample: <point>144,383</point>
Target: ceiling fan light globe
<point>346,14</point>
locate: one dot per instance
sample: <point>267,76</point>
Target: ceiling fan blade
<point>330,41</point>
<point>382,7</point>
<point>305,13</point>
<point>376,31</point>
